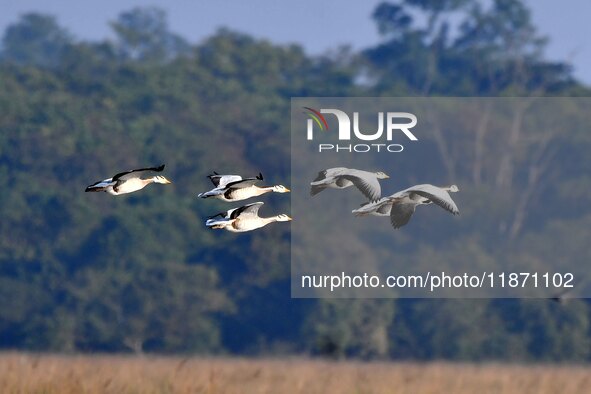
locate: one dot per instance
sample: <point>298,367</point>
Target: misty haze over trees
<point>82,272</point>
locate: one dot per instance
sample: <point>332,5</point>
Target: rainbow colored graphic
<point>317,117</point>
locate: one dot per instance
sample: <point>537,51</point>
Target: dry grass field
<point>26,373</point>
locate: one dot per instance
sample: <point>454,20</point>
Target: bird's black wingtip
<point>160,168</point>
<point>314,190</point>
<point>260,176</point>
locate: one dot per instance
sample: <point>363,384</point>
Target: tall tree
<point>143,34</point>
<point>36,39</point>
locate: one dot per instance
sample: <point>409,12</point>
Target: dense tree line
<point>83,272</point>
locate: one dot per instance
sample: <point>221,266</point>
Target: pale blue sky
<point>317,25</point>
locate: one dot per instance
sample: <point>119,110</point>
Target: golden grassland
<point>29,373</point>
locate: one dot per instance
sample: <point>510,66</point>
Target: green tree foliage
<point>88,272</point>
<point>486,51</point>
<point>143,35</point>
<point>339,328</point>
<point>37,40</point>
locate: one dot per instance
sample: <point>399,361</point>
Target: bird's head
<point>280,189</point>
<point>454,188</point>
<point>161,179</point>
<point>283,218</point>
<point>382,175</point>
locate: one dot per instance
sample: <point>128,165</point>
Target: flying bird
<point>242,219</point>
<point>236,188</point>
<point>400,206</point>
<point>341,178</point>
<point>569,293</point>
<point>563,297</point>
<point>128,181</point>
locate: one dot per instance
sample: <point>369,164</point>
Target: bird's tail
<point>218,223</point>
<point>211,193</point>
<point>94,189</point>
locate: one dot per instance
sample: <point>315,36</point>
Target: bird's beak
<point>289,218</point>
<point>287,190</point>
<point>387,176</point>
<point>168,182</point>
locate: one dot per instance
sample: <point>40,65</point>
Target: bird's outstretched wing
<point>437,196</point>
<point>246,211</point>
<point>321,175</point>
<point>366,182</point>
<point>401,213</point>
<point>123,176</point>
<point>222,180</point>
<point>215,178</point>
<point>246,182</point>
<point>329,173</point>
<point>315,189</point>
